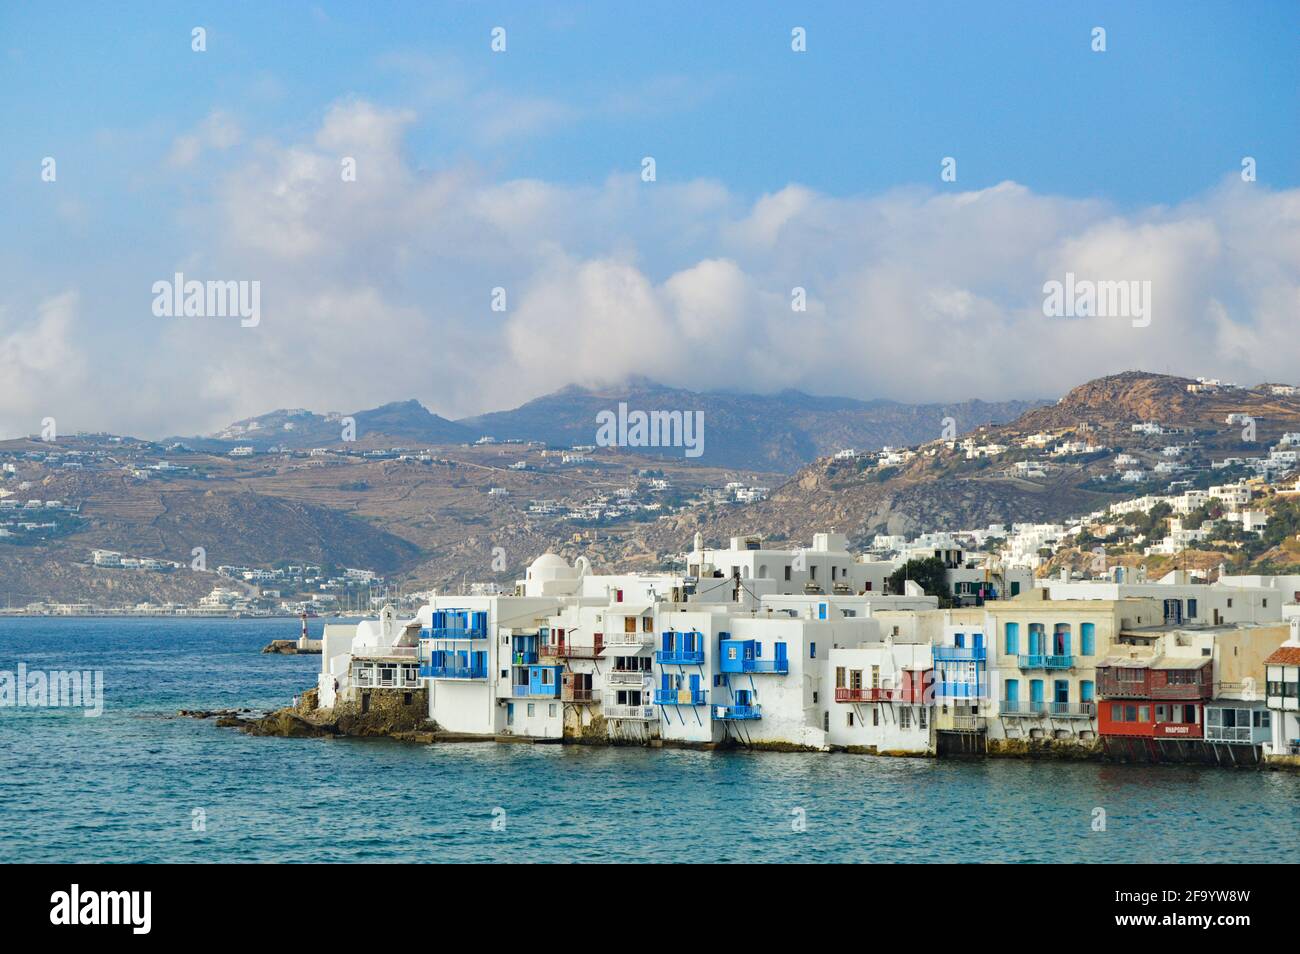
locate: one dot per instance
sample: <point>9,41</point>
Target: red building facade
<point>1158,699</point>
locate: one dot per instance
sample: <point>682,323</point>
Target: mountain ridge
<point>774,432</point>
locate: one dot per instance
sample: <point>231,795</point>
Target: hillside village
<point>1143,472</point>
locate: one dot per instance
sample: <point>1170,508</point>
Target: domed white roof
<point>549,561</point>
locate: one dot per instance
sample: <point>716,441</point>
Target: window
<point>839,677</point>
<point>1011,642</point>
<point>787,573</point>
<point>812,572</point>
<point>532,709</point>
<point>850,723</point>
<point>826,721</point>
<point>1191,609</point>
<point>875,715</point>
<point>812,650</point>
<point>645,624</point>
<point>629,624</point>
<point>1088,639</point>
<point>905,717</point>
<point>551,710</point>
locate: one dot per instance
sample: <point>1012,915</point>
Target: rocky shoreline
<point>392,718</point>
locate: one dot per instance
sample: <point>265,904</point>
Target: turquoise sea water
<point>128,786</point>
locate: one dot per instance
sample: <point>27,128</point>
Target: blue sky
<point>1158,122</point>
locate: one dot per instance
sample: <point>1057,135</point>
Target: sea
<point>137,783</point>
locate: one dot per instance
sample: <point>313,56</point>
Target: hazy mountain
<point>778,432</point>
<point>399,422</point>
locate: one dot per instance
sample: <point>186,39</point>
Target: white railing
<point>639,713</point>
<point>623,677</point>
<point>378,652</point>
<point>638,640</point>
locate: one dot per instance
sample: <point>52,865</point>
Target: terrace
<point>1039,661</point>
<point>872,694</point>
<point>737,713</point>
<point>681,697</point>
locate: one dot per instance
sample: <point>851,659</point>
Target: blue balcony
<point>745,656</point>
<point>1035,661</point>
<point>681,697</point>
<point>959,689</point>
<point>960,654</point>
<point>1022,707</point>
<point>779,666</point>
<point>452,632</point>
<point>523,659</point>
<point>445,671</point>
<point>535,691</point>
<point>737,713</point>
<point>680,657</point>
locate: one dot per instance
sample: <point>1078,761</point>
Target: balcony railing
<point>779,666</point>
<point>1182,690</point>
<point>969,723</point>
<point>363,679</point>
<point>681,697</point>
<point>626,677</point>
<point>1072,710</point>
<point>451,632</point>
<point>1022,707</point>
<point>875,694</point>
<point>384,652</point>
<point>737,713</point>
<point>535,692</point>
<point>453,672</point>
<point>960,654</point>
<point>523,659</point>
<point>1037,661</point>
<point>1109,687</point>
<point>680,657</point>
<point>1229,733</point>
<point>570,694</point>
<point>634,713</point>
<point>638,640</point>
<point>572,651</point>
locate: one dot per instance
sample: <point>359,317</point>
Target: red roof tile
<point>1284,656</point>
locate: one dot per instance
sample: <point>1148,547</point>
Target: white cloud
<point>379,289</point>
<point>42,368</point>
<point>218,131</point>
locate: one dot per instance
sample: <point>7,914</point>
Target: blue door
<point>1062,691</point>
<point>979,640</point>
<point>1036,690</point>
<point>1013,690</point>
<point>780,654</point>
